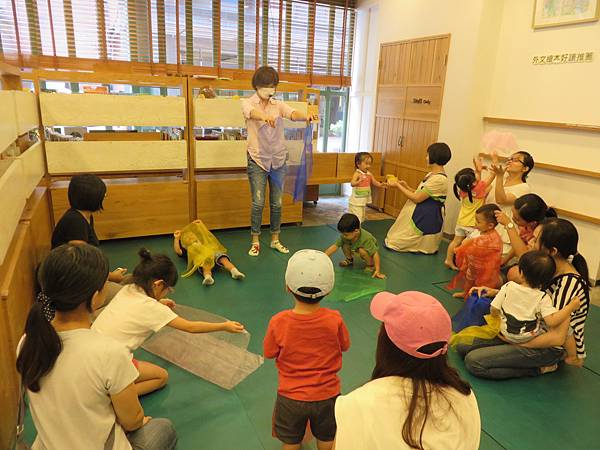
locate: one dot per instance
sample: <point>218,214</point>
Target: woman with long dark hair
<point>528,212</point>
<point>558,238</point>
<point>81,384</point>
<point>414,399</point>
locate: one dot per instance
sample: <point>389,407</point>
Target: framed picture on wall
<point>553,13</point>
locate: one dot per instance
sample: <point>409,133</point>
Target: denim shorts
<point>291,417</point>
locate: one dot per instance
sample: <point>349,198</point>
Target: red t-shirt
<point>308,352</point>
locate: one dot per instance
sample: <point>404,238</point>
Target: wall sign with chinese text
<point>563,58</point>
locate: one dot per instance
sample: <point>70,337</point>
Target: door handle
<point>401,141</point>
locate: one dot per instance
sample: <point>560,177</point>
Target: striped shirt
<point>564,288</point>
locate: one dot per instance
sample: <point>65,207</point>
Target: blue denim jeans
<point>158,434</point>
<point>497,360</point>
<point>258,182</point>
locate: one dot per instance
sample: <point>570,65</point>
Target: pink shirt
<point>266,145</point>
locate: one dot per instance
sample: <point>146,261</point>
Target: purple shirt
<point>266,145</point>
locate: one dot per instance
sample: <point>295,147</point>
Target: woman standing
<point>559,238</point>
<point>267,154</point>
<point>418,227</point>
<point>81,384</point>
<point>414,399</point>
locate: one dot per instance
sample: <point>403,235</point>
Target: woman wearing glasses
<point>141,309</point>
<point>510,184</point>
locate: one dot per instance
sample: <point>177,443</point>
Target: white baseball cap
<point>310,269</point>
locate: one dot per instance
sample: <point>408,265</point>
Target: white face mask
<point>265,93</point>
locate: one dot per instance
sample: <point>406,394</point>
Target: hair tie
<point>48,307</point>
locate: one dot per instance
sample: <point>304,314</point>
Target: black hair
<point>152,268</point>
<point>86,192</point>
<point>562,235</point>
<point>489,212</point>
<point>428,376</point>
<point>464,180</point>
<point>532,208</point>
<point>527,162</point>
<point>265,76</point>
<point>538,268</point>
<point>348,223</point>
<point>309,291</point>
<point>439,153</point>
<point>360,157</point>
<point>69,276</point>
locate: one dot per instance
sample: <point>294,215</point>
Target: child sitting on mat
<point>307,343</point>
<point>203,251</point>
<point>471,190</point>
<point>356,240</point>
<point>361,182</point>
<point>479,256</point>
<point>141,309</point>
<point>521,307</point>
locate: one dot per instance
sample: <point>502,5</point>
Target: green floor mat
<point>352,283</point>
<point>555,411</point>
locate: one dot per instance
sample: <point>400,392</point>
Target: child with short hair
<point>361,182</point>
<point>471,191</point>
<point>479,257</point>
<point>203,251</point>
<point>141,309</point>
<point>355,239</point>
<point>521,307</point>
<point>307,343</point>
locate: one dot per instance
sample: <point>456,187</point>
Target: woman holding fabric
<point>267,154</point>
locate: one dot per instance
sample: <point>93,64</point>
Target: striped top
<point>562,289</point>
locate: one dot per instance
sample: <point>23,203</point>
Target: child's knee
<point>163,377</point>
<point>364,254</point>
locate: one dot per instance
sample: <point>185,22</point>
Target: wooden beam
<point>162,31</point>
<point>69,29</point>
<point>544,124</point>
<point>101,18</point>
<point>189,32</point>
<point>288,36</point>
<point>240,38</point>
<point>33,21</point>
<point>577,216</point>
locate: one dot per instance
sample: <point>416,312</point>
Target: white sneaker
<point>279,247</point>
<point>254,250</point>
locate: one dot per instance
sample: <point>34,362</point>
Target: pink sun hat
<point>412,320</point>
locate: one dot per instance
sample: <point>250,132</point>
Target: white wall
<point>473,25</point>
<point>490,73</point>
<point>556,93</point>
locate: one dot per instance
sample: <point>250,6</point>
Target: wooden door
<point>409,98</point>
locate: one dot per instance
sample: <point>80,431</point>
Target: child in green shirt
<point>354,239</point>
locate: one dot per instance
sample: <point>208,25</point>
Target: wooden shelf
<point>544,124</point>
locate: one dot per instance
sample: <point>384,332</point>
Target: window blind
<point>306,40</point>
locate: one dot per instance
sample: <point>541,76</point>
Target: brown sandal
<point>346,262</point>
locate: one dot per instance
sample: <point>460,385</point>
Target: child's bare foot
<point>548,369</point>
<point>450,265</point>
<point>574,361</point>
<point>458,295</point>
<point>346,262</point>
